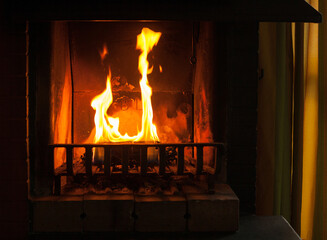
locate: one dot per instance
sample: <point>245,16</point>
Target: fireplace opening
<point>131,108</point>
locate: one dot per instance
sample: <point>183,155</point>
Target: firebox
<point>138,118</point>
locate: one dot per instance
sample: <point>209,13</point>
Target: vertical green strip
<point>283,125</point>
<point>298,128</point>
<point>288,122</point>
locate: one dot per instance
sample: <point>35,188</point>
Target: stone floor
<point>251,228</point>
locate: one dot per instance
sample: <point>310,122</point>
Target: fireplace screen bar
<point>158,153</point>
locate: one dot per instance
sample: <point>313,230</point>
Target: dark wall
<point>242,112</point>
<point>13,154</point>
<point>226,70</point>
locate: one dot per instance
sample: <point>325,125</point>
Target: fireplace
<point>222,48</point>
<point>145,122</point>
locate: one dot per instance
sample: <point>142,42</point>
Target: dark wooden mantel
<point>219,10</point>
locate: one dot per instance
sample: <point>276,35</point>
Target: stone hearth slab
<point>192,210</point>
<point>160,213</point>
<point>213,212</point>
<point>57,214</point>
<point>108,213</point>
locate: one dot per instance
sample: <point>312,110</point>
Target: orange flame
<point>106,126</point>
<point>104,52</point>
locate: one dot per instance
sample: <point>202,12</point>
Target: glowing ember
<point>106,126</point>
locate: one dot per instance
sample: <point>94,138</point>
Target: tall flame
<point>107,128</point>
<point>145,42</point>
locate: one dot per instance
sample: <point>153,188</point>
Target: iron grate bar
<point>143,160</point>
<point>162,160</point>
<point>88,160</point>
<point>125,150</point>
<point>199,162</point>
<point>180,160</point>
<point>107,161</point>
<point>69,160</point>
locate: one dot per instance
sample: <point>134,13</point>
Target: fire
<point>107,128</point>
<point>104,52</point>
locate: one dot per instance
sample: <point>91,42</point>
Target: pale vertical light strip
<point>320,224</point>
<point>325,135</point>
<point>310,131</point>
<point>318,221</point>
<point>293,43</point>
<point>325,141</point>
<point>293,80</point>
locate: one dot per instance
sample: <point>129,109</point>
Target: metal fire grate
<point>125,148</point>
